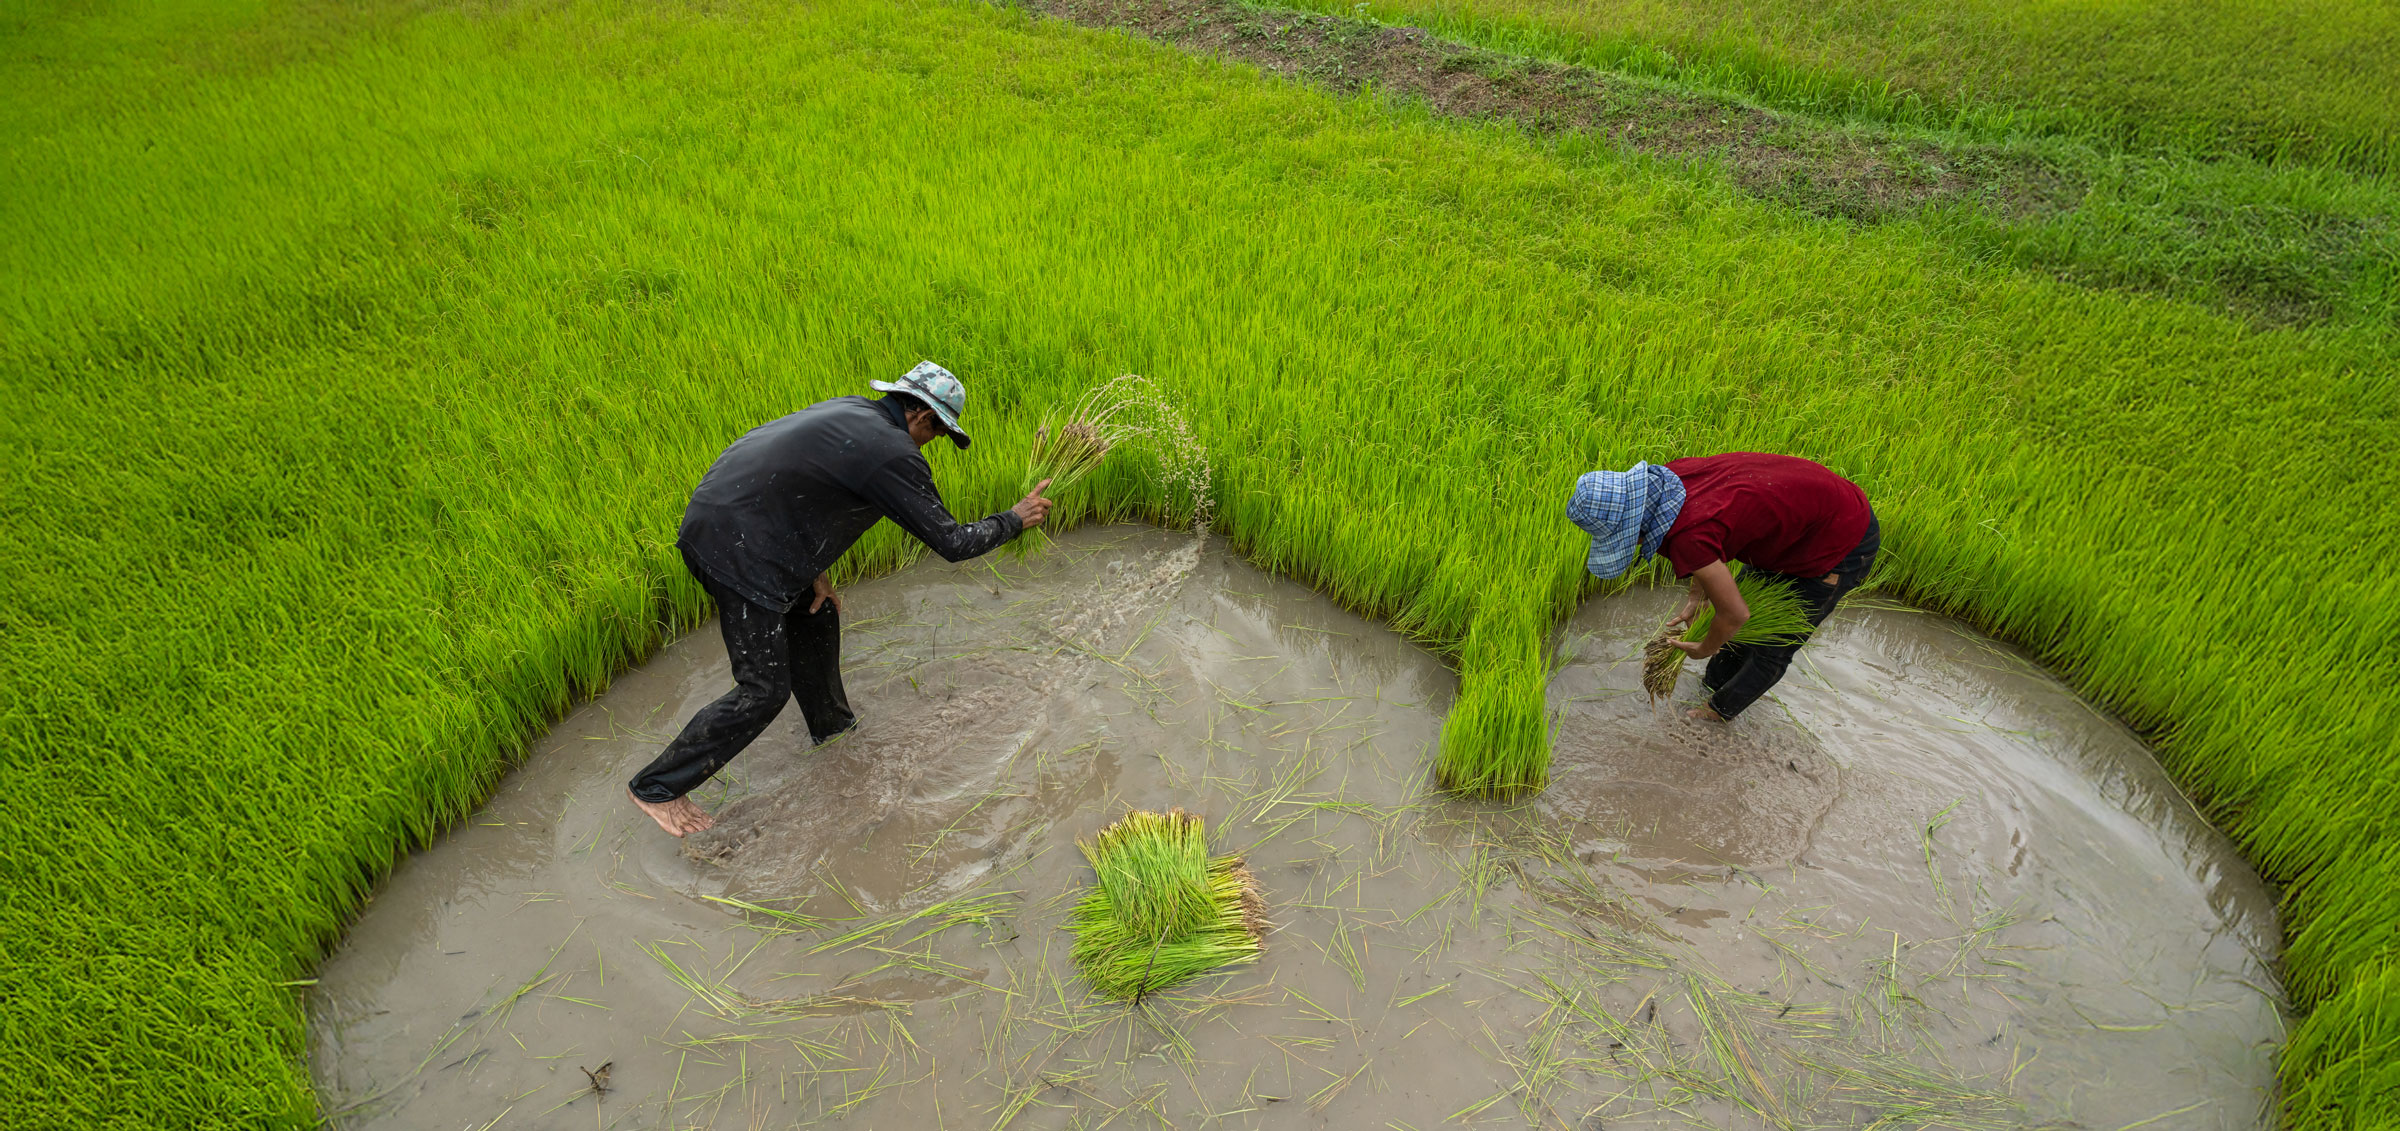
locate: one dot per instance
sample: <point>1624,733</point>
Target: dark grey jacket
<point>789,498</point>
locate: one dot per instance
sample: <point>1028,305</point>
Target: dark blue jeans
<point>1739,673</point>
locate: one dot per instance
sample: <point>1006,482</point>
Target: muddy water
<point>1923,879</point>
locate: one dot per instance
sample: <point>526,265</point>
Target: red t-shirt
<point>1779,513</point>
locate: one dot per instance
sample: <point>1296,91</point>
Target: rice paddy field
<point>360,358</point>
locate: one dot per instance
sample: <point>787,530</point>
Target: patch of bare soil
<point>1823,169</point>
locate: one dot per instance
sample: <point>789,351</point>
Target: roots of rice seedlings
<point>1161,911</point>
<point>1777,616</point>
<point>1662,663</point>
<point>1066,452</point>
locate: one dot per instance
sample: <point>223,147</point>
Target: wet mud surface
<point>1922,881</point>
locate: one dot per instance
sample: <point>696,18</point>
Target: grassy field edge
<point>1726,65</point>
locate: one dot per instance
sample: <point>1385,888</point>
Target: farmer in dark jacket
<point>1782,517</point>
<point>775,511</point>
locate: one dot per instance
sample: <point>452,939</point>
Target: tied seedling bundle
<point>1162,911</point>
<point>1777,616</point>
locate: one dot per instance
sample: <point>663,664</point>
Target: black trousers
<point>776,656</point>
<point>1739,673</point>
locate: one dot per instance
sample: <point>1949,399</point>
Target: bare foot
<point>1704,714</point>
<point>678,817</point>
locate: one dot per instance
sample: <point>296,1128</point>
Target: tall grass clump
<point>1777,616</point>
<point>1160,910</point>
<point>349,433</point>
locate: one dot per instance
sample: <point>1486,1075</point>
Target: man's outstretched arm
<point>903,488</point>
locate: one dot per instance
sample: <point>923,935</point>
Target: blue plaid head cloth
<point>1627,513</point>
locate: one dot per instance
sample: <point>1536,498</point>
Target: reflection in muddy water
<point>1922,882</point>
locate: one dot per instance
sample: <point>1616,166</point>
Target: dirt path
<point>1827,170</point>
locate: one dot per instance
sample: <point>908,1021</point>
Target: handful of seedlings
<point>1777,616</point>
<point>1068,450</point>
<point>1129,409</point>
<point>1162,911</point>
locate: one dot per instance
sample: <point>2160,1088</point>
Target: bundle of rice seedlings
<point>1128,410</point>
<point>1067,450</point>
<point>1162,911</point>
<point>1777,616</point>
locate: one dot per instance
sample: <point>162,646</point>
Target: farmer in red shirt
<point>1782,517</point>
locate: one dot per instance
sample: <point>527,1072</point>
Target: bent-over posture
<point>1784,518</point>
<point>775,511</point>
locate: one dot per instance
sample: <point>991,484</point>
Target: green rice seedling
<point>1777,616</point>
<point>1153,869</point>
<point>1160,910</point>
